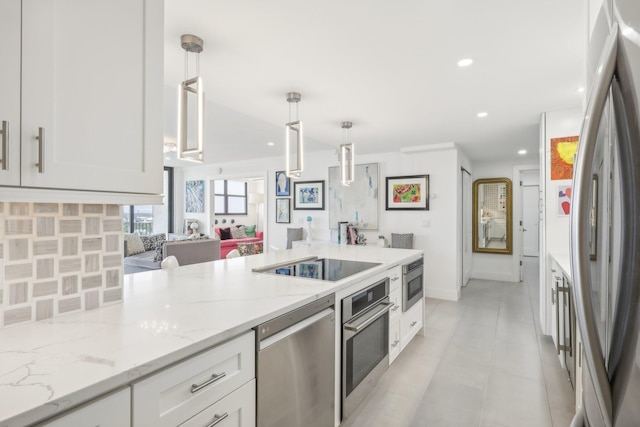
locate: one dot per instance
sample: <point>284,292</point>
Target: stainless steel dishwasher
<point>295,367</point>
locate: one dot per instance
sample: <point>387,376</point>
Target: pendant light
<point>193,85</point>
<point>347,162</point>
<point>294,132</point>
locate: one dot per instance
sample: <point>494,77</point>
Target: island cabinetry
<point>82,95</point>
<point>216,387</point>
<point>113,410</point>
<point>410,324</point>
<point>395,313</point>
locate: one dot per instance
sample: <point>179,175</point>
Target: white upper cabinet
<point>10,93</point>
<point>91,98</point>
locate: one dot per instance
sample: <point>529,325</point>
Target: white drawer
<point>113,410</point>
<point>176,394</point>
<point>395,277</point>
<point>410,324</point>
<point>395,298</point>
<point>394,341</point>
<point>237,409</point>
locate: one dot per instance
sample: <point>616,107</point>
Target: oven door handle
<point>376,313</point>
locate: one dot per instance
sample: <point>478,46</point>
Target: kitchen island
<point>51,366</point>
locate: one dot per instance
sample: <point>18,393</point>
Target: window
<point>152,219</point>
<point>230,197</point>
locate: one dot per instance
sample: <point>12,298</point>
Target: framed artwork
<point>407,193</point>
<point>194,196</point>
<point>283,211</point>
<point>562,152</point>
<point>564,200</point>
<point>357,203</point>
<point>282,184</point>
<point>308,195</point>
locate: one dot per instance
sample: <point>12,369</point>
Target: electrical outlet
<point>426,223</point>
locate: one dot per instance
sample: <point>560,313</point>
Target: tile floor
<point>481,362</point>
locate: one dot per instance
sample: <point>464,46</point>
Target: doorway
<point>466,226</point>
<point>530,226</point>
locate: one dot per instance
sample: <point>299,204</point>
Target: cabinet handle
<point>395,307</point>
<point>40,139</point>
<point>5,144</point>
<point>218,418</point>
<point>414,323</point>
<point>553,297</point>
<point>215,377</point>
<point>395,278</point>
<point>395,343</point>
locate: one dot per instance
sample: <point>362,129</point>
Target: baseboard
<point>495,275</point>
<point>445,294</point>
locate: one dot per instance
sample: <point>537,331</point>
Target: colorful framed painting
<point>564,200</point>
<point>282,184</point>
<point>310,270</point>
<point>194,196</point>
<point>409,193</point>
<point>283,211</point>
<point>308,195</point>
<point>562,153</point>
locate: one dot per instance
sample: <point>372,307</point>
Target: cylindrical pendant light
<point>347,157</point>
<point>293,131</point>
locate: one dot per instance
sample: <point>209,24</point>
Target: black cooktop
<point>322,269</point>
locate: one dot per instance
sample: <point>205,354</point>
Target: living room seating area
<point>239,237</point>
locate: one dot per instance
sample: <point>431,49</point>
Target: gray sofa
<point>186,252</point>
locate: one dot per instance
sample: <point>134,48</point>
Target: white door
<point>530,219</point>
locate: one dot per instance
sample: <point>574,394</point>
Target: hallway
<point>482,362</point>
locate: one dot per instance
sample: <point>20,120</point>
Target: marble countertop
<point>564,262</point>
<point>50,366</point>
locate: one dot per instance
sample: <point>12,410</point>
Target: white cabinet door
<point>394,341</point>
<point>410,324</point>
<point>10,92</point>
<point>92,87</point>
<point>110,411</point>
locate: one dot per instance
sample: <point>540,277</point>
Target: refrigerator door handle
<point>580,222</point>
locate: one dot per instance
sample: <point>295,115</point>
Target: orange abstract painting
<point>562,152</point>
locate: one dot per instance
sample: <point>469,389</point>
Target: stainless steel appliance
<point>412,283</point>
<point>318,268</point>
<point>295,367</point>
<point>605,222</point>
<point>365,342</point>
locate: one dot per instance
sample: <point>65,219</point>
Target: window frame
<point>226,196</point>
<point>170,202</point>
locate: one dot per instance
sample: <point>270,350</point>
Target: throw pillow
<point>134,244</point>
<point>158,256</point>
<point>150,242</point>
<point>238,233</point>
<point>225,234</point>
<point>250,231</point>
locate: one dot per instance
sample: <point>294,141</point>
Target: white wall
<point>435,231</point>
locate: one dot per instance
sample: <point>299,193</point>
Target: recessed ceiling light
<point>270,144</point>
<point>483,114</point>
<point>522,152</point>
<point>465,62</point>
<point>580,89</point>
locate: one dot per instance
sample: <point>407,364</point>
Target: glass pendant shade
<point>294,139</point>
<point>191,97</point>
<point>347,157</point>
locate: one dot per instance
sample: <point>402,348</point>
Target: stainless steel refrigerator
<point>605,222</point>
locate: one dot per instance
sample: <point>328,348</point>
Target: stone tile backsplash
<point>58,258</point>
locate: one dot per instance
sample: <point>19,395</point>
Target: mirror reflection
<point>492,215</point>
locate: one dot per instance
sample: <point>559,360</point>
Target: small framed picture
<point>283,211</point>
<point>282,184</point>
<point>308,195</point>
<point>407,193</point>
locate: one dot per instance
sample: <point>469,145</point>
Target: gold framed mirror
<point>492,230</point>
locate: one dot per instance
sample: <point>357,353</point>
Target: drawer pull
<point>395,307</point>
<point>215,377</point>
<point>414,323</point>
<point>395,278</point>
<point>217,419</point>
<point>5,144</point>
<point>40,139</point>
<point>395,343</point>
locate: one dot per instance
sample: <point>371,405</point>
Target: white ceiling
<point>387,66</point>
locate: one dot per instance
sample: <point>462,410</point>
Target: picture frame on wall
<point>283,183</point>
<point>308,195</point>
<point>283,211</point>
<point>194,196</point>
<point>407,193</point>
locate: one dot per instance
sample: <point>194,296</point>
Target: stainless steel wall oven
<point>365,342</point>
<point>412,283</point>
